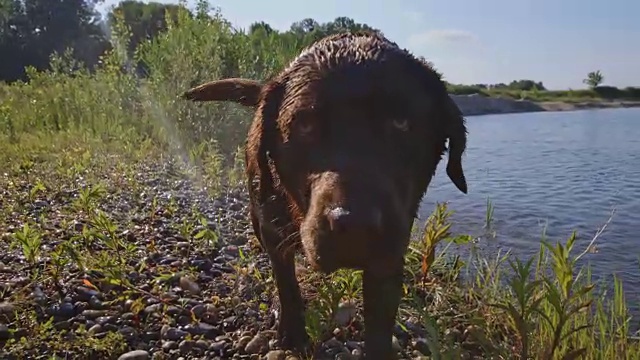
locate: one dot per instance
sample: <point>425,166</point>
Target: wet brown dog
<point>341,150</point>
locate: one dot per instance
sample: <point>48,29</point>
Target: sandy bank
<point>481,105</point>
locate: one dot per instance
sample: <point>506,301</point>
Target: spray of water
<point>159,114</point>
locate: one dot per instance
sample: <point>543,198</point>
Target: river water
<point>562,171</point>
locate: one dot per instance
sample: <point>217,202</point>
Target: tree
<point>30,32</point>
<point>145,20</point>
<point>594,79</point>
<point>526,85</point>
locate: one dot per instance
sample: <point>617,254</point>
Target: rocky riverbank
<point>475,104</point>
<point>115,260</point>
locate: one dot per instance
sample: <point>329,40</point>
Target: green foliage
<point>30,34</point>
<point>594,79</point>
<point>146,20</point>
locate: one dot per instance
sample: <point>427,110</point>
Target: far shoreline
<point>481,105</point>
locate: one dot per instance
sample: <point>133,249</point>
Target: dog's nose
<point>344,220</point>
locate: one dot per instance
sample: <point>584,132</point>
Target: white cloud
<point>442,37</point>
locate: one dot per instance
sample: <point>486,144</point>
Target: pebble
<point>218,346</point>
<point>346,311</point>
<point>95,329</point>
<point>95,303</point>
<point>243,342</point>
<point>422,346</point>
<point>396,344</point>
<point>187,284</point>
<point>357,353</point>
<point>4,332</point>
<point>169,345</point>
<point>343,356</point>
<point>174,334</point>
<point>93,314</point>
<point>135,355</point>
<point>7,311</point>
<point>185,346</point>
<point>258,345</point>
<point>85,294</point>
<point>276,355</point>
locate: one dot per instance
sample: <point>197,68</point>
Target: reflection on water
<point>564,171</point>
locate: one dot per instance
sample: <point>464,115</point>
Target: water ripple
<point>565,171</point>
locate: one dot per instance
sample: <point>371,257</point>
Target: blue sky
<point>485,41</point>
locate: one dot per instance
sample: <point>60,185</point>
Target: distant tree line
<point>32,30</point>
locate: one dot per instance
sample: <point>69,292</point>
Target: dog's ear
<point>456,132</point>
<point>451,122</point>
<point>242,91</point>
<point>264,134</point>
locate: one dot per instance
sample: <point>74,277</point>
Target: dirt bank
<point>482,105</point>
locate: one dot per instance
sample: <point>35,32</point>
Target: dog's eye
<point>400,124</point>
<point>305,127</point>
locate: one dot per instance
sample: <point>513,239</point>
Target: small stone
<point>199,310</point>
<point>218,346</point>
<point>174,311</point>
<point>105,320</point>
<point>127,331</point>
<point>7,311</point>
<point>5,333</point>
<point>62,325</point>
<point>274,344</point>
<point>202,344</point>
<point>258,345</point>
<point>276,355</point>
<point>346,311</point>
<point>242,342</point>
<point>84,294</point>
<point>353,345</point>
<point>127,304</point>
<point>185,346</point>
<point>135,355</point>
<point>231,250</point>
<point>235,206</point>
<point>95,329</point>
<point>343,356</point>
<point>187,284</point>
<point>453,334</point>
<point>66,310</point>
<point>95,303</point>
<point>422,346</point>
<point>175,334</point>
<point>356,354</point>
<point>93,314</point>
<point>396,344</point>
<point>153,308</point>
<point>333,343</point>
<point>169,345</point>
<point>79,306</point>
<point>238,240</point>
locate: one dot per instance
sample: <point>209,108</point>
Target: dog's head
<point>352,131</point>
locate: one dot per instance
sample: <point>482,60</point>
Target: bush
<point>116,104</point>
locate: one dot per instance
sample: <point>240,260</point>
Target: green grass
<point>67,130</point>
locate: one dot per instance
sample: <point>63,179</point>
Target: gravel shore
<point>163,271</point>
